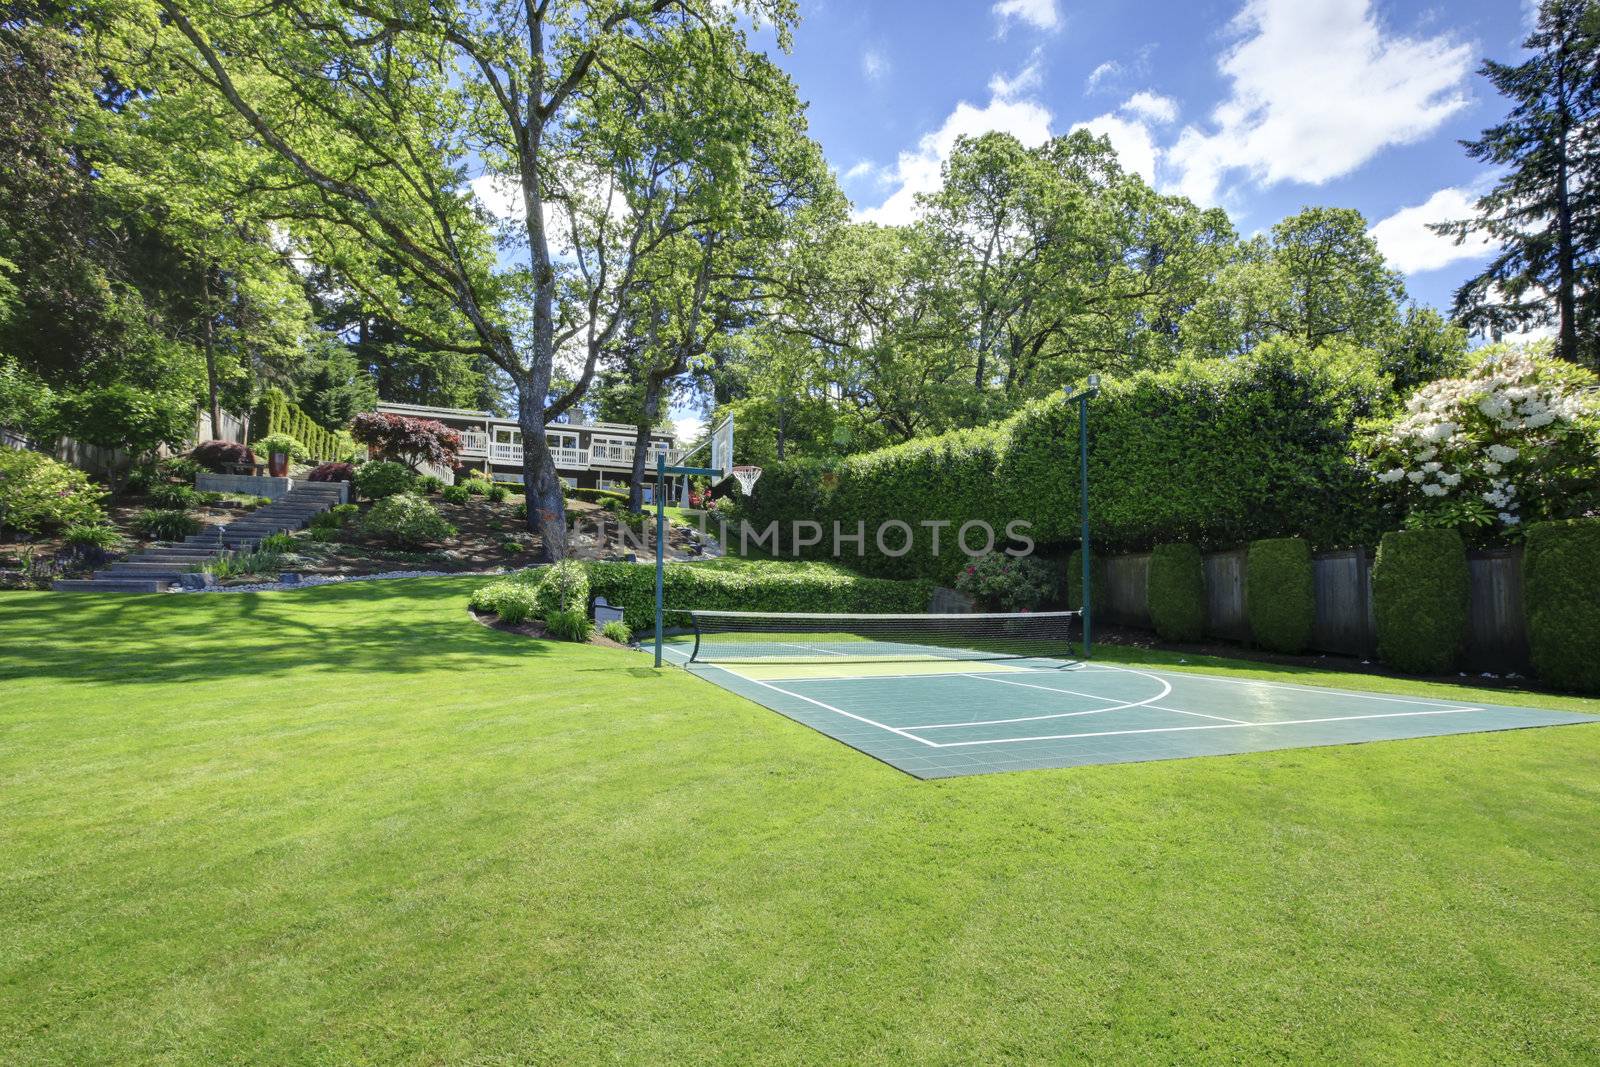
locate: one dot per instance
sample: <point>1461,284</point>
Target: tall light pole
<point>1083,396</point>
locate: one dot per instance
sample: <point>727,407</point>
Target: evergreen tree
<point>1545,210</point>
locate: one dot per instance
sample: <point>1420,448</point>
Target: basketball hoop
<point>746,477</point>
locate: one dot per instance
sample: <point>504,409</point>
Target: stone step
<point>200,551</point>
<point>171,559</point>
<point>104,585</point>
<point>146,570</point>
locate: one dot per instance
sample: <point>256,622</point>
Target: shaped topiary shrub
<point>332,472</point>
<point>218,457</point>
<point>1282,597</point>
<point>1419,594</point>
<point>405,520</point>
<point>1561,597</point>
<point>1177,593</point>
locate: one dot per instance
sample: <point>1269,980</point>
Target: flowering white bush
<point>1517,438</point>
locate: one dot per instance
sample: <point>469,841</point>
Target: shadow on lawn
<point>385,627</point>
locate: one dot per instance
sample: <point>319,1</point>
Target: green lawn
<point>349,824</point>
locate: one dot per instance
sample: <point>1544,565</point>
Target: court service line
<point>1189,729</point>
<point>830,707</point>
<point>1203,715</point>
<point>1166,687</point>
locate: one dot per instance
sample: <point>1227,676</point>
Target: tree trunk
<point>210,344</point>
<point>1566,265</point>
<point>541,486</point>
<point>783,427</point>
<point>641,442</point>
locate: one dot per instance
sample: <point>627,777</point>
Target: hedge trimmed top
<point>1212,453</point>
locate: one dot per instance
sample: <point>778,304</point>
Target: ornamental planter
<point>278,464</point>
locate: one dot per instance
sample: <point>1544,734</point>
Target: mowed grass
<point>350,825</point>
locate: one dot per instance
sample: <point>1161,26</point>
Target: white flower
<point>1427,453</point>
<point>1501,453</point>
<point>1416,476</point>
<point>1392,475</point>
<point>1543,418</point>
<point>1491,467</point>
<point>1509,519</point>
<point>1432,489</point>
<point>1450,478</point>
<point>1432,467</point>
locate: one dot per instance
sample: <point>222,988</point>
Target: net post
<point>695,622</point>
<point>1083,506</point>
<point>661,559</point>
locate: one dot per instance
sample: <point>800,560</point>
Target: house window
<point>507,437</point>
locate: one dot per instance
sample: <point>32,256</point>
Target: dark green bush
<point>1419,594</point>
<point>597,496</point>
<point>429,484</point>
<point>999,582</point>
<point>1209,452</point>
<point>38,493</point>
<point>512,600</point>
<point>759,587</point>
<point>1177,593</point>
<point>405,520</point>
<point>496,493</point>
<point>165,524</point>
<point>455,494</point>
<point>563,587</point>
<point>475,484</point>
<point>618,632</point>
<point>276,543</point>
<point>1281,597</point>
<point>169,495</point>
<point>381,479</point>
<point>1561,597</point>
<point>568,626</point>
<point>1097,580</point>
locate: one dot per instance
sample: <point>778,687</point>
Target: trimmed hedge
<point>1210,452</point>
<point>279,414</point>
<point>772,587</point>
<point>1419,594</point>
<point>1561,598</point>
<point>1097,581</point>
<point>1281,595</point>
<point>1177,593</point>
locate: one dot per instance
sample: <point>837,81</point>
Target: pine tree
<point>1544,212</point>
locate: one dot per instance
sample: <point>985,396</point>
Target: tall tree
<point>1544,211</point>
<point>370,113</point>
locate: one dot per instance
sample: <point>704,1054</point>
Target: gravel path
<point>320,579</point>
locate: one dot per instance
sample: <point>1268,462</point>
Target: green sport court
<point>939,704</point>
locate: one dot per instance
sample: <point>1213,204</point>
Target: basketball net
<point>746,477</point>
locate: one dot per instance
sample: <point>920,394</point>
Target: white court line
<point>1025,718</point>
<point>1294,688</point>
<point>830,707</point>
<point>1055,715</point>
<point>1203,715</point>
<point>1188,729</point>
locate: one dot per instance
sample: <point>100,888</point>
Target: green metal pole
<point>1083,507</point>
<point>661,538</point>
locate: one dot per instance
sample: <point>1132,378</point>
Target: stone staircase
<point>159,566</point>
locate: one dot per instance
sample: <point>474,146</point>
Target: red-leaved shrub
<point>332,472</point>
<point>406,440</point>
<point>218,456</point>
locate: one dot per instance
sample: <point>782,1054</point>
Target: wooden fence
<point>1345,623</point>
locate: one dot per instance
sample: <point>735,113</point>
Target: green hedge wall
<point>279,414</point>
<point>772,587</point>
<point>1280,598</point>
<point>1097,580</point>
<point>1211,452</point>
<point>1419,594</point>
<point>1177,593</point>
<point>1561,597</point>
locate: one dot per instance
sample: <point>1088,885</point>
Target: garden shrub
<point>751,587</point>
<point>512,600</point>
<point>429,484</point>
<point>344,512</point>
<point>332,472</point>
<point>93,535</point>
<point>563,587</point>
<point>165,524</point>
<point>496,493</point>
<point>521,510</point>
<point>411,441</point>
<point>37,493</point>
<point>382,478</point>
<point>215,456</point>
<point>1561,598</point>
<point>169,495</point>
<point>568,626</point>
<point>618,631</point>
<point>999,582</point>
<point>279,415</point>
<point>1210,452</point>
<point>1281,598</point>
<point>405,520</point>
<point>278,542</point>
<point>455,494</point>
<point>597,496</point>
<point>1419,594</point>
<point>1177,592</point>
<point>184,468</point>
<point>475,484</point>
<point>1097,579</point>
<point>326,520</point>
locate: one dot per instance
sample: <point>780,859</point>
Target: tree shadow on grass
<point>391,627</point>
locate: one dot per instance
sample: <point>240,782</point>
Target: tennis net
<point>805,637</point>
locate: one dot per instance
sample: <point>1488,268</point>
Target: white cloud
<point>1318,89</point>
<point>860,170</point>
<point>1109,69</point>
<point>1410,246</point>
<point>1026,80</point>
<point>874,65</point>
<point>920,171</point>
<point>1152,107</point>
<point>1039,13</point>
<point>500,197</point>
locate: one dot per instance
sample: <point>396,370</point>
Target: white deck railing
<point>608,455</point>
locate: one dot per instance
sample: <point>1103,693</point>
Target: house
<point>596,455</point>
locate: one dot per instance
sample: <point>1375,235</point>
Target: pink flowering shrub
<point>1008,583</point>
<point>1515,440</point>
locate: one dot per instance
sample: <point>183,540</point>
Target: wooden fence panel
<point>1225,610</point>
<point>1127,590</point>
<point>1344,620</point>
<point>1497,636</point>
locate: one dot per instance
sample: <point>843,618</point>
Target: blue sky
<point>1260,106</point>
